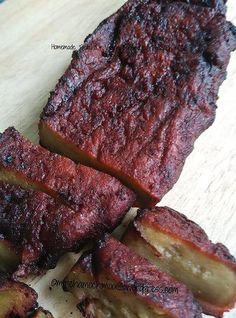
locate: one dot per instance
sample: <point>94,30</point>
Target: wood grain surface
<point>30,68</point>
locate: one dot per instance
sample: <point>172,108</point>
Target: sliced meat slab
<point>181,248</point>
<point>89,202</point>
<point>113,281</point>
<point>141,90</point>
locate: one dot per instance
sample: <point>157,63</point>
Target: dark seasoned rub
<point>16,299</point>
<point>181,248</point>
<point>141,90</point>
<point>134,286</point>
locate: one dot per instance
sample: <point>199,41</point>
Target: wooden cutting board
<point>30,68</point>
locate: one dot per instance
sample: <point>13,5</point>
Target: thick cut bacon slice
<point>141,90</point>
<point>118,283</point>
<point>181,248</point>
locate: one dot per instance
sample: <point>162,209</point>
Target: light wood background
<point>29,69</point>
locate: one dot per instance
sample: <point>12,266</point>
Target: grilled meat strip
<point>37,231</point>
<point>93,202</point>
<point>41,313</point>
<point>141,90</point>
<point>126,285</point>
<point>16,299</point>
<point>181,248</point>
<point>19,300</point>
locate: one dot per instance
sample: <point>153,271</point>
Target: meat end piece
<point>41,313</point>
<point>23,250</point>
<point>182,249</point>
<point>9,254</point>
<point>16,299</point>
<point>140,91</point>
<point>113,281</point>
<point>98,200</point>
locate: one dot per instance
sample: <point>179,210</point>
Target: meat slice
<point>34,228</point>
<point>41,313</point>
<point>37,230</point>
<point>118,283</point>
<point>95,202</point>
<point>9,253</point>
<point>83,189</point>
<point>141,90</point>
<point>16,299</point>
<point>181,248</point>
<point>19,300</point>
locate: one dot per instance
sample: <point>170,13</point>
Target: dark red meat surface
<point>21,300</point>
<point>177,225</point>
<point>93,202</point>
<point>118,264</point>
<point>142,89</point>
<point>38,225</point>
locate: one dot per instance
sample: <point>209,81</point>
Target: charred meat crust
<point>19,300</point>
<point>119,264</point>
<point>141,90</point>
<point>181,248</point>
<point>117,261</point>
<point>178,225</point>
<point>93,201</point>
<point>75,185</point>
<point>82,65</point>
<point>16,299</point>
<point>41,313</point>
<point>23,210</point>
<point>100,42</point>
